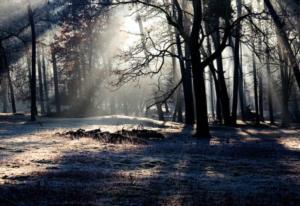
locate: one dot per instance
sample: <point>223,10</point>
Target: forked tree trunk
<point>202,128</point>
<point>224,98</point>
<point>216,83</point>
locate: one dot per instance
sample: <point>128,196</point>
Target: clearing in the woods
<point>237,166</point>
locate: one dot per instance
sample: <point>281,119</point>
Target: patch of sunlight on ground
<point>211,173</point>
<point>34,154</point>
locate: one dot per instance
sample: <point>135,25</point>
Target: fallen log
<point>135,136</point>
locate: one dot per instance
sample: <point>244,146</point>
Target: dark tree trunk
<point>55,78</point>
<point>186,70</point>
<point>236,56</point>
<point>158,105</point>
<point>179,116</point>
<point>160,112</point>
<point>167,107</point>
<point>202,129</point>
<point>235,81</point>
<point>255,87</point>
<point>296,103</point>
<point>45,84</point>
<point>218,102</point>
<point>270,98</point>
<point>41,89</point>
<point>217,85</point>
<point>4,94</point>
<point>12,94</point>
<point>178,93</point>
<point>80,68</point>
<point>186,74</point>
<point>28,60</point>
<point>285,114</point>
<point>174,117</point>
<point>260,97</point>
<point>224,98</point>
<point>33,65</point>
<point>212,100</point>
<point>6,71</point>
<point>241,87</point>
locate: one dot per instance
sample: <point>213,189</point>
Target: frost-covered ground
<point>238,166</point>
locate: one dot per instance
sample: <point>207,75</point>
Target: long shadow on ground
<point>237,167</point>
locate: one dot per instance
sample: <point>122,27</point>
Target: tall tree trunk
<point>178,93</point>
<point>55,78</point>
<point>217,84</point>
<point>79,70</point>
<point>260,78</point>
<point>33,64</point>
<point>255,87</point>
<point>186,72</point>
<point>5,65</point>
<point>12,94</point>
<point>212,100</point>
<point>236,56</point>
<point>218,102</point>
<point>270,98</point>
<point>45,84</point>
<point>179,109</point>
<point>202,129</point>
<point>242,87</point>
<point>28,61</point>
<point>4,90</point>
<point>260,96</point>
<point>186,86</point>
<point>160,112</point>
<point>185,69</point>
<point>235,83</point>
<point>284,72</point>
<point>224,98</point>
<point>167,107</point>
<point>174,117</point>
<point>296,111</point>
<point>41,89</point>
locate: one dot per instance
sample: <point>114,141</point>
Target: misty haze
<point>149,102</point>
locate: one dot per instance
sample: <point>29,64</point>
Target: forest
<point>149,102</point>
